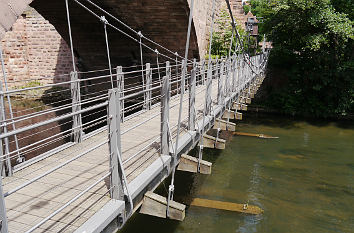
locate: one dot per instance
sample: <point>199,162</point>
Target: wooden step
<point>156,205</point>
<point>239,106</point>
<point>232,115</point>
<point>190,164</point>
<point>212,142</point>
<point>224,125</point>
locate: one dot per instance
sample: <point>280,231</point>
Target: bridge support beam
<point>239,106</point>
<point>155,205</point>
<point>245,99</point>
<point>232,115</point>
<point>213,142</point>
<point>224,125</point>
<point>190,164</point>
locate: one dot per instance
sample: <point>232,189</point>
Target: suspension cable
<point>184,70</point>
<point>200,152</point>
<point>105,22</point>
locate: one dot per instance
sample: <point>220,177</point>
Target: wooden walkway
<point>28,206</point>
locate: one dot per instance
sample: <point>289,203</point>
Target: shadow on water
<point>291,122</point>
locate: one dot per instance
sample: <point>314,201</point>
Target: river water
<point>304,182</point>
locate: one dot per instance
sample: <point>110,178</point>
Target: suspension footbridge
<point>100,153</point>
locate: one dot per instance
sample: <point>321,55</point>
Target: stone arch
<point>162,21</point>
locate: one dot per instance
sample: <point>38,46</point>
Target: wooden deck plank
<point>39,199</point>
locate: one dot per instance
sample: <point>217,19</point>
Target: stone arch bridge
<point>163,21</point>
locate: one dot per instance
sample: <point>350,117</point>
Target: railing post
<point>168,71</point>
<point>148,86</point>
<point>238,82</point>
<point>3,217</point>
<point>217,67</point>
<point>234,75</point>
<point>220,78</point>
<point>165,109</point>
<point>192,115</point>
<point>227,77</point>
<point>115,151</point>
<point>184,80</point>
<point>208,88</point>
<point>76,106</point>
<point>4,148</point>
<point>243,74</point>
<point>120,87</point>
<point>203,73</point>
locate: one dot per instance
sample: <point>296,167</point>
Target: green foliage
<point>34,83</point>
<point>313,43</point>
<point>246,9</point>
<point>222,36</point>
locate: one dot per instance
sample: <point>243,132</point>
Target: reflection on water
<point>304,181</point>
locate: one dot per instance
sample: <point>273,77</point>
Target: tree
<point>313,41</point>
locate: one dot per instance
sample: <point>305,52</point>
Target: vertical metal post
<point>120,87</point>
<point>3,129</point>
<point>76,106</point>
<point>202,71</point>
<point>148,75</point>
<point>220,86</point>
<point>115,149</point>
<point>3,217</point>
<point>192,115</point>
<point>228,86</point>
<point>118,179</point>
<point>183,74</point>
<point>2,164</point>
<point>165,109</point>
<point>20,158</point>
<point>243,73</point>
<point>208,89</point>
<point>217,67</point>
<point>168,70</point>
<point>234,75</point>
<point>176,67</point>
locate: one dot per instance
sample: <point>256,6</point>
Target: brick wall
<point>34,50</point>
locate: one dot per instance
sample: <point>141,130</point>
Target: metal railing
<point>89,96</point>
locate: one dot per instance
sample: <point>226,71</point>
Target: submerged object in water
<point>254,135</point>
<point>221,205</point>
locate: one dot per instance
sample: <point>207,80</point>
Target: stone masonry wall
<point>34,50</point>
<point>202,20</point>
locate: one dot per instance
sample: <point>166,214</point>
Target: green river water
<point>304,182</point>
